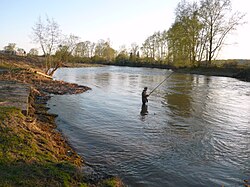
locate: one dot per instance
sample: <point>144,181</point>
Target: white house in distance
<point>21,52</point>
<point>18,52</point>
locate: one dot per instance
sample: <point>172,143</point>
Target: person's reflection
<point>144,109</point>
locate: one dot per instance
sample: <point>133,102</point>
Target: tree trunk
<point>210,44</point>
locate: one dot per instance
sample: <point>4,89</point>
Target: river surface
<point>194,132</point>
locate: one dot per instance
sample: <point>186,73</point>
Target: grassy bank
<point>32,154</point>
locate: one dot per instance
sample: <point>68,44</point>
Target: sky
<point>123,22</point>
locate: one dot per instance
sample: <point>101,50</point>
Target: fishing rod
<point>160,83</point>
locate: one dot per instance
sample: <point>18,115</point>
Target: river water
<point>194,132</point>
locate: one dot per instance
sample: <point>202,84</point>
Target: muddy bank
<point>33,152</point>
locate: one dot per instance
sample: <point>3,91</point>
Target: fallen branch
<point>43,74</point>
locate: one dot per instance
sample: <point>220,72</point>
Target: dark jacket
<point>144,96</point>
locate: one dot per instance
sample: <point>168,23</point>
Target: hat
<point>145,88</point>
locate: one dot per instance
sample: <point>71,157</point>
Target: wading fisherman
<point>144,110</point>
<point>144,96</point>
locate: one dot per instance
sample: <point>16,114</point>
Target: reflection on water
<point>195,130</point>
<point>144,111</point>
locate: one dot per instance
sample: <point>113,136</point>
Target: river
<point>195,130</point>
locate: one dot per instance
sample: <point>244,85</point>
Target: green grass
<point>8,111</point>
<point>111,182</point>
<point>24,162</point>
<point>28,158</point>
<point>36,174</point>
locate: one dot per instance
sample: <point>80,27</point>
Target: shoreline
<point>240,74</point>
<point>48,140</point>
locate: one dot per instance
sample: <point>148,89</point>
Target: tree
<point>134,51</point>
<point>11,47</point>
<point>134,48</point>
<point>48,35</point>
<point>92,49</point>
<point>146,48</point>
<point>33,52</point>
<point>177,45</point>
<point>183,36</point>
<point>217,21</point>
<point>104,50</point>
<point>109,54</point>
<point>199,31</point>
<point>161,45</point>
<point>99,48</point>
<point>84,49</point>
<point>122,58</point>
<point>64,51</point>
<point>67,47</point>
<point>71,42</point>
<point>155,47</point>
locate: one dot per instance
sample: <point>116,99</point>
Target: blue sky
<point>121,21</point>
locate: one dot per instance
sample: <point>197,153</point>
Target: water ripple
<point>196,132</point>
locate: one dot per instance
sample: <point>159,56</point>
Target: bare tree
<point>92,49</point>
<point>134,48</point>
<point>64,51</point>
<point>155,46</point>
<point>48,35</point>
<point>134,51</point>
<point>84,49</point>
<point>71,41</point>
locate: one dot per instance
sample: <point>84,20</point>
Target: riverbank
<point>32,151</point>
<point>241,74</point>
<point>234,71</point>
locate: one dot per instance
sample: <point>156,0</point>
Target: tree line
<point>196,37</point>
